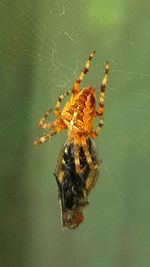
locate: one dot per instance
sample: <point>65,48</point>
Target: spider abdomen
<point>79,110</point>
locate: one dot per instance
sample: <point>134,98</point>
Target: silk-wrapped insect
<point>73,187</point>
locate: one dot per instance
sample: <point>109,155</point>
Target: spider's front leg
<point>87,154</point>
<point>77,156</point>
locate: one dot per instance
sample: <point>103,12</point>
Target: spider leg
<point>60,98</point>
<point>76,156</point>
<point>58,126</point>
<point>87,154</point>
<point>41,124</point>
<point>101,102</point>
<point>44,138</point>
<point>83,72</point>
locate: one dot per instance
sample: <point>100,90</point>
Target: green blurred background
<point>43,47</point>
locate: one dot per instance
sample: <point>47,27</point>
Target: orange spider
<point>77,116</point>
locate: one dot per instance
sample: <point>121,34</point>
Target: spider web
<point>43,47</point>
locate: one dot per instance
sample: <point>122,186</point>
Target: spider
<point>74,188</point>
<point>77,116</point>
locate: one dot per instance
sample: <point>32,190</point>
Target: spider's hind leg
<point>83,72</point>
<point>102,98</point>
<point>60,98</point>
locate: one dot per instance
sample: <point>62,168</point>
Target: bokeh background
<point>43,47</point>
